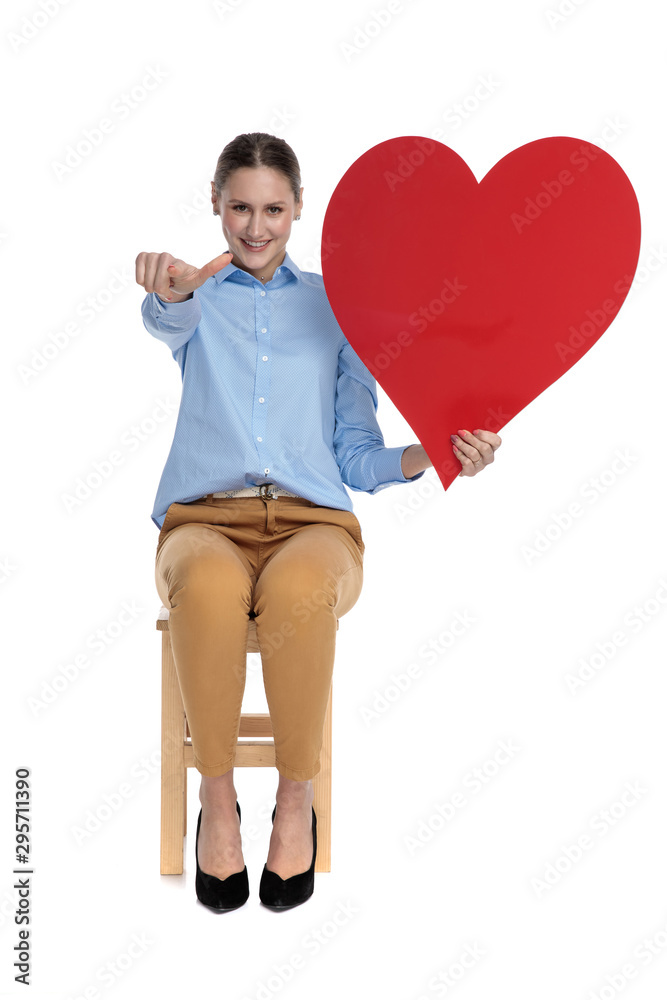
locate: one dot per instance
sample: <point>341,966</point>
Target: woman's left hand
<point>474,451</point>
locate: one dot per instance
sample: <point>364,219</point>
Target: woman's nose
<point>254,228</point>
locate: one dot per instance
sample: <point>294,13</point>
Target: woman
<point>277,412</point>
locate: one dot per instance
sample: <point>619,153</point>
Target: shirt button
<point>266,471</point>
<point>259,439</point>
<point>263,329</point>
<point>261,399</point>
<point>265,358</point>
<point>262,293</point>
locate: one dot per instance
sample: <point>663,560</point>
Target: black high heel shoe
<point>221,893</point>
<point>283,893</point>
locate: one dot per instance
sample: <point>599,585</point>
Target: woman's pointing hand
<point>172,279</point>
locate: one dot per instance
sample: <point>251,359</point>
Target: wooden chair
<point>178,756</point>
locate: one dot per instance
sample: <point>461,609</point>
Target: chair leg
<point>322,798</point>
<point>173,781</point>
<point>185,801</point>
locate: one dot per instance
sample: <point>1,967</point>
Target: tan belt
<point>265,490</point>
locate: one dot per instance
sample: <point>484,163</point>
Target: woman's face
<point>257,205</point>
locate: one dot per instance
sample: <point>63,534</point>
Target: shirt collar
<point>230,269</point>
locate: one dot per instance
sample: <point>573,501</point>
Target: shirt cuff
<point>388,470</point>
<point>163,310</point>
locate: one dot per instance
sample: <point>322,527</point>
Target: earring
<point>296,218</point>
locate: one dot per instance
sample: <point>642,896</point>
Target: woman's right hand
<point>172,279</point>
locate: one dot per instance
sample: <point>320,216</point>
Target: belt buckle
<point>264,491</point>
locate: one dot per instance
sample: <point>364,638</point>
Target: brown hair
<point>258,149</point>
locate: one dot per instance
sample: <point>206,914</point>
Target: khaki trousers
<point>292,565</point>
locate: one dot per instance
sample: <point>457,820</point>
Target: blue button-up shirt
<point>272,393</point>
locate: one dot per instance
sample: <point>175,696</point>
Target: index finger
<point>217,263</point>
<point>489,437</point>
<point>140,268</point>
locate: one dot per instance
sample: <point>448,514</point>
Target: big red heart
<point>465,301</point>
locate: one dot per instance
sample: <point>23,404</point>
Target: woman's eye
<point>274,209</point>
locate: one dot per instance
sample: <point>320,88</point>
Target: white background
<point>400,920</point>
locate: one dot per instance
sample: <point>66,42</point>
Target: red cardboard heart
<point>465,301</point>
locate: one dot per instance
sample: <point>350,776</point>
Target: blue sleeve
<point>365,462</point>
<point>171,322</point>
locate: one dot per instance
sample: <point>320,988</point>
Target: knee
<point>199,565</point>
<point>299,596</point>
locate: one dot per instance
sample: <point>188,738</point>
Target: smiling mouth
<point>255,246</point>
